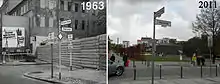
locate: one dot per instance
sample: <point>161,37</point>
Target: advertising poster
<point>13,37</point>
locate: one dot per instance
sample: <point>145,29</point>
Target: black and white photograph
<point>53,42</point>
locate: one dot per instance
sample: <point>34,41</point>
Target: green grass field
<point>168,58</point>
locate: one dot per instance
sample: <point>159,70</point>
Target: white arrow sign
<point>67,29</point>
<point>65,22</point>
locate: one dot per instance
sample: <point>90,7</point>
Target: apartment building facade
<point>43,18</point>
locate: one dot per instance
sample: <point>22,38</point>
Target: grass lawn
<point>168,58</point>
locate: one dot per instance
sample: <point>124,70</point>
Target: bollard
<point>148,63</point>
<point>201,71</point>
<point>181,71</point>
<point>145,62</point>
<point>51,60</point>
<point>160,71</point>
<point>142,61</point>
<point>216,69</point>
<point>134,66</point>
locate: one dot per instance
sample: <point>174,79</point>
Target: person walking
<point>112,58</point>
<point>194,59</point>
<point>125,58</point>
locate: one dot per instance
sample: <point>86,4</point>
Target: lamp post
<point>163,23</point>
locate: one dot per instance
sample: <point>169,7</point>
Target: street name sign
<point>159,12</point>
<point>163,23</point>
<point>65,22</point>
<point>67,29</point>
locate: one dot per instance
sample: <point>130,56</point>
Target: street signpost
<point>163,24</point>
<point>70,37</point>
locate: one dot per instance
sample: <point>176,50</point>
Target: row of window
<point>51,23</point>
<point>22,9</point>
<point>64,5</point>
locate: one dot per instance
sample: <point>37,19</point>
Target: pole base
<point>59,75</point>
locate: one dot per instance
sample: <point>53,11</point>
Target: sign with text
<point>13,37</point>
<point>70,36</point>
<point>67,29</point>
<point>65,22</point>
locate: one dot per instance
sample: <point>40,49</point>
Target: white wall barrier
<point>86,52</point>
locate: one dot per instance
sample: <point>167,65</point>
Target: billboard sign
<point>13,37</point>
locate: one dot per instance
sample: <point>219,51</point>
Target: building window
<point>76,24</point>
<point>42,21</point>
<point>62,5</point>
<point>83,24</point>
<point>93,26</point>
<point>69,6</point>
<point>76,7</point>
<point>52,4</point>
<point>42,3</point>
<point>22,10</point>
<point>65,5</point>
<point>83,11</point>
<point>50,22</point>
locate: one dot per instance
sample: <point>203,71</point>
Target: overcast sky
<point>1,2</point>
<point>132,19</point>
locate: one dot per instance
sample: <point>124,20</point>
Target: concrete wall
<point>86,52</point>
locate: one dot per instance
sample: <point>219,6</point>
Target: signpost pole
<point>59,31</point>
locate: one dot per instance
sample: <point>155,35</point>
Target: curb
<point>23,64</point>
<point>41,79</point>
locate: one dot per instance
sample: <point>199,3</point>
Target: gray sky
<point>1,2</point>
<point>132,19</point>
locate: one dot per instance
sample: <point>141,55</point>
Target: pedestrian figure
<point>194,59</point>
<point>112,58</point>
<point>203,61</point>
<point>125,58</point>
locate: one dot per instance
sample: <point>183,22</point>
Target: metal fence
<point>86,52</point>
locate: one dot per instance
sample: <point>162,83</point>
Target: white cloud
<point>134,19</point>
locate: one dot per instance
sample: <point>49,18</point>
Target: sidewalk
<point>17,63</point>
<point>175,81</point>
<point>77,76</point>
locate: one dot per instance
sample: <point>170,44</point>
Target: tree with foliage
<point>101,21</point>
<point>208,23</point>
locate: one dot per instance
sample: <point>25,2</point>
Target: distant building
<point>166,41</point>
<point>126,44</point>
<point>139,42</point>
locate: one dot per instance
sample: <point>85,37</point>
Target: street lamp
<point>163,23</point>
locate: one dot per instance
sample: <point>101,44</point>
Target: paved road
<point>14,74</point>
<point>167,72</point>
